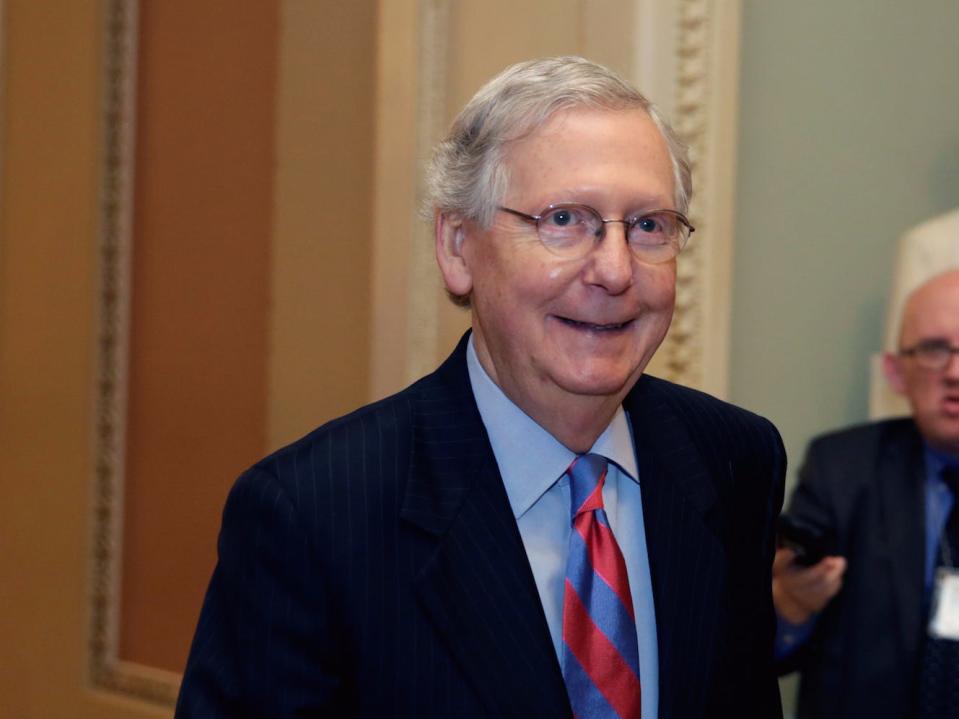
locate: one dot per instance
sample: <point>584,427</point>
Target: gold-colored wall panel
<point>200,302</point>
<point>323,215</point>
<point>50,150</point>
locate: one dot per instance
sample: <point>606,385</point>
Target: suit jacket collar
<point>683,542</point>
<point>478,587</point>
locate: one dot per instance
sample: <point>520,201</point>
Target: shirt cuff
<point>790,637</point>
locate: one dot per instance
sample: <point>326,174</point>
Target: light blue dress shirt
<point>533,466</point>
<point>939,501</point>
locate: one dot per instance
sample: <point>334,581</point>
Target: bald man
<point>867,626</point>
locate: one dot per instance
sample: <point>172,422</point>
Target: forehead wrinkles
<point>568,132</point>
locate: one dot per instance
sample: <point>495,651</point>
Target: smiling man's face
<point>551,330</point>
<point>931,315</point>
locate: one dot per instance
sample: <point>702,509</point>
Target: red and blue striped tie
<point>600,653</point>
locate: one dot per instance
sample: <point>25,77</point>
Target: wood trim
<point>411,117</point>
<point>422,343</point>
<point>107,672</point>
<point>692,71</point>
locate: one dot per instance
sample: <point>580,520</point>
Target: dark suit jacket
<point>866,486</point>
<point>374,568</point>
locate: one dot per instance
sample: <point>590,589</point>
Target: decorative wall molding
<point>700,95</point>
<point>107,671</point>
<point>431,79</point>
<point>683,348</point>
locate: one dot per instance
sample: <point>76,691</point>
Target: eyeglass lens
<point>570,229</point>
<point>934,355</point>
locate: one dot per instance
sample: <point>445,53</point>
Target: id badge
<point>944,614</point>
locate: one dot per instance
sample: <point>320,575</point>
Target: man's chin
<point>943,435</point>
<point>600,385</point>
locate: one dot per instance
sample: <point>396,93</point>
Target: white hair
<point>467,174</point>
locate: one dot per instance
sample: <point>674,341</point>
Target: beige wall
<point>214,142</point>
<point>199,309</point>
<point>323,215</point>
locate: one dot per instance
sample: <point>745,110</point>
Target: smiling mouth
<point>950,406</point>
<point>613,327</point>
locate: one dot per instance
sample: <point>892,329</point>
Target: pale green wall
<point>849,135</point>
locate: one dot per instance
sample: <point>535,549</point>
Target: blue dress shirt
<point>533,466</point>
<point>939,501</point>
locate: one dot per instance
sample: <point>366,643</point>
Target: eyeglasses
<point>570,231</point>
<point>933,355</point>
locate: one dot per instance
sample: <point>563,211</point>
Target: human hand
<point>799,592</point>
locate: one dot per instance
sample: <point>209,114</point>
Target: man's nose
<point>611,262</point>
<point>951,370</point>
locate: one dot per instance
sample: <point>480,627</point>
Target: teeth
<point>612,326</point>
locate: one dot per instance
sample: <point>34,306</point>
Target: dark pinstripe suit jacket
<point>374,568</point>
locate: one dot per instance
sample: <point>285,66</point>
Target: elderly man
<point>864,624</point>
<point>924,251</point>
<point>535,529</point>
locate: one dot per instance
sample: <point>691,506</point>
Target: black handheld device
<point>810,543</point>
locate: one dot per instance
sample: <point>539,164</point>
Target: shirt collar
<point>530,459</point>
<point>940,459</point>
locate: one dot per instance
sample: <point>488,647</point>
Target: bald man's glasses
<point>571,231</point>
<point>932,355</point>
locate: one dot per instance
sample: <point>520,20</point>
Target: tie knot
<point>587,474</point>
<point>950,475</point>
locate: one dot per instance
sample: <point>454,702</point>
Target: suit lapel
<point>685,554</point>
<point>901,473</point>
<point>477,587</point>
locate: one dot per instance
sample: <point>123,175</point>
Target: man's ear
<point>892,369</point>
<point>451,232</point>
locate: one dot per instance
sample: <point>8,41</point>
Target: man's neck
<point>946,454</point>
<point>579,424</point>
<point>575,420</point>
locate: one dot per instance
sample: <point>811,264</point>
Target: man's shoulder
<point>389,420</point>
<point>865,438</point>
<point>723,433</point>
<point>386,425</point>
<point>695,406</point>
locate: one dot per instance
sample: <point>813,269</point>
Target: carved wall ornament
<point>107,671</point>
<point>683,347</point>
